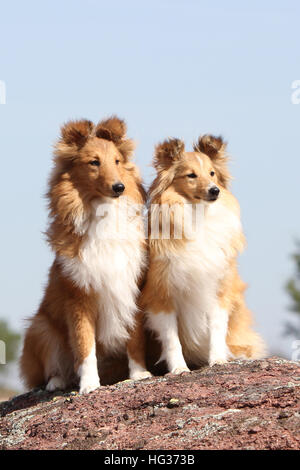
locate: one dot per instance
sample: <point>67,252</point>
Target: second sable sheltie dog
<point>90,304</point>
<point>193,297</point>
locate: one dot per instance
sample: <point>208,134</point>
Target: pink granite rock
<point>240,405</point>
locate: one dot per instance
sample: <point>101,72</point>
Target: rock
<point>240,405</point>
<point>173,402</point>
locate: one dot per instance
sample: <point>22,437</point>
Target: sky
<point>170,68</point>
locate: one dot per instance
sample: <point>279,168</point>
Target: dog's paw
<point>55,383</point>
<point>140,375</point>
<point>180,370</point>
<point>87,386</point>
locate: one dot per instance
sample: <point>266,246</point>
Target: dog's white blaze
<point>111,266</point>
<point>166,328</point>
<point>200,161</point>
<point>194,277</point>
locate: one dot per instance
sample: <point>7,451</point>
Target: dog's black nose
<point>214,192</point>
<point>118,188</point>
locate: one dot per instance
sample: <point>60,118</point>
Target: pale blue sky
<point>170,68</point>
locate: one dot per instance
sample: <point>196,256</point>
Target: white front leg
<point>218,323</point>
<point>165,325</point>
<point>88,373</point>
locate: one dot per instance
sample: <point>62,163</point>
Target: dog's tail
<point>31,366</point>
<point>242,340</point>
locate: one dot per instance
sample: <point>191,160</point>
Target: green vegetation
<point>293,289</point>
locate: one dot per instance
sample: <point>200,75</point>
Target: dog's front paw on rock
<point>55,383</point>
<point>180,370</point>
<point>87,386</point>
<point>145,374</point>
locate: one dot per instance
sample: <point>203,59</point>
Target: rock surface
<point>241,405</point>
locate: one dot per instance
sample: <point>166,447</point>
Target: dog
<point>193,297</point>
<point>90,304</point>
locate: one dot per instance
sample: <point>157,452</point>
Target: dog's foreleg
<point>88,372</point>
<point>137,370</point>
<point>165,326</point>
<point>136,351</point>
<point>218,323</point>
<point>82,339</point>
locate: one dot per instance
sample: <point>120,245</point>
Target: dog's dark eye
<point>212,173</point>
<point>192,175</point>
<point>117,162</point>
<point>95,163</point>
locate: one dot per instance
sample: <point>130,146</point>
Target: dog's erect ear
<point>215,148</point>
<point>76,132</point>
<point>167,153</point>
<point>210,145</point>
<point>113,129</point>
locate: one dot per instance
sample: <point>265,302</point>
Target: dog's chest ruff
<point>195,276</point>
<point>205,256</point>
<point>110,263</point>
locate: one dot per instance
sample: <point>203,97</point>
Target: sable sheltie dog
<point>90,304</point>
<point>193,296</point>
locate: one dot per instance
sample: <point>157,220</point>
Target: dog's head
<point>95,158</point>
<point>199,175</point>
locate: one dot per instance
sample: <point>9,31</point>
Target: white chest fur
<point>110,262</point>
<point>195,275</point>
